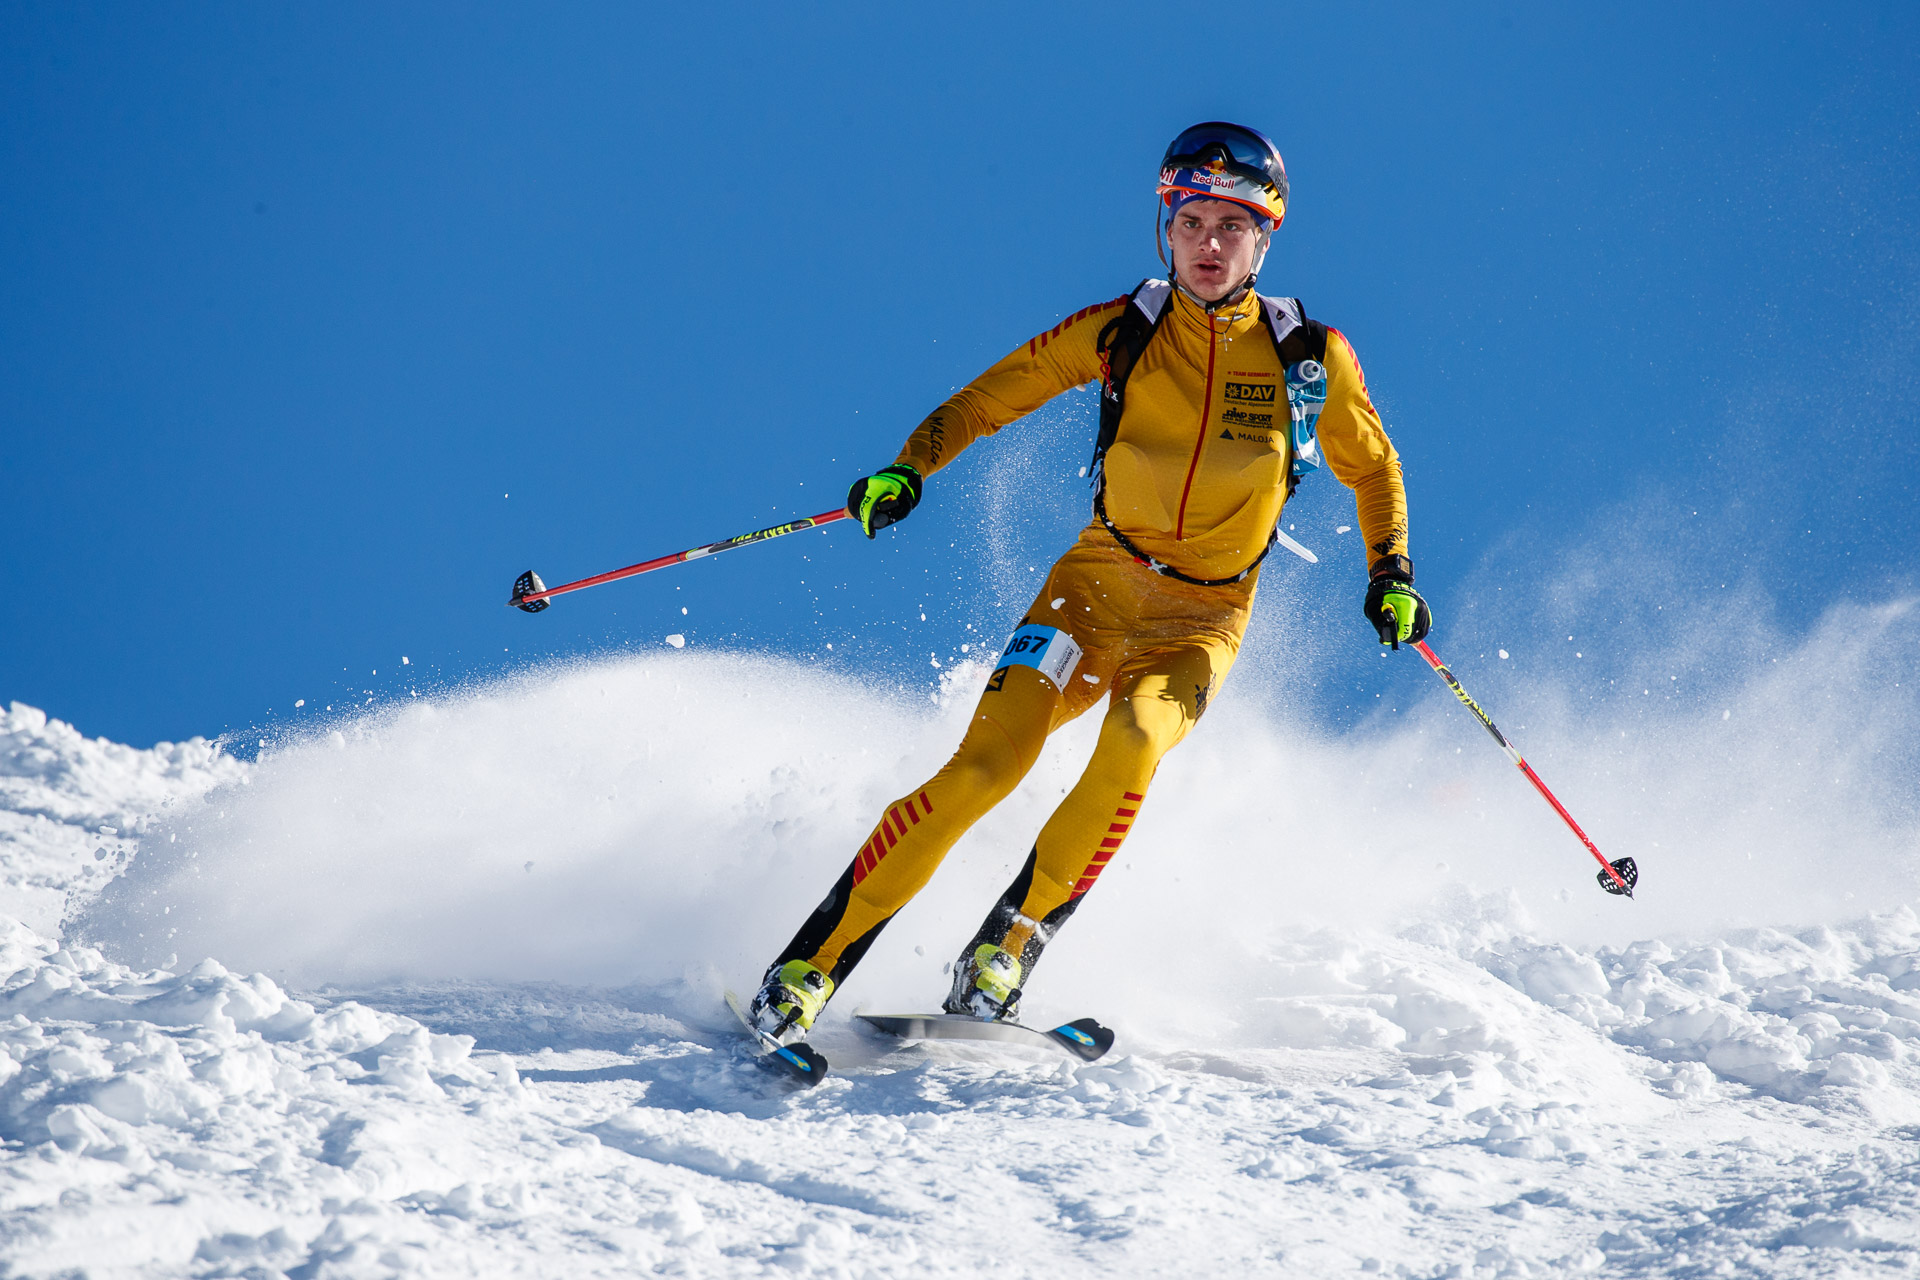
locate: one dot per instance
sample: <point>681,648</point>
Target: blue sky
<point>320,325</point>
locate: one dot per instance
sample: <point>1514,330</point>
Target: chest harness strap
<point>1302,346</point>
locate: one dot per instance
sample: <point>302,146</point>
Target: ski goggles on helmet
<point>1221,161</point>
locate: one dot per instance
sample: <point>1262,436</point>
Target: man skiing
<point>1208,393</point>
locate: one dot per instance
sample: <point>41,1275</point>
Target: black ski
<point>1084,1038</point>
<point>798,1061</point>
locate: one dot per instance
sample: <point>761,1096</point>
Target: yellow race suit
<point>1195,479</point>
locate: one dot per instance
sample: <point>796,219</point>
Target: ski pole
<point>533,595</point>
<point>1616,877</point>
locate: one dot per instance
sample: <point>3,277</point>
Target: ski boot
<point>986,985</point>
<point>790,999</point>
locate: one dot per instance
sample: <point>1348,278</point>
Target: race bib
<point>1048,650</point>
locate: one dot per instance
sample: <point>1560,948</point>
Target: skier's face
<point>1214,245</point>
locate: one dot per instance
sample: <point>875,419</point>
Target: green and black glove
<point>1393,608</point>
<point>886,497</point>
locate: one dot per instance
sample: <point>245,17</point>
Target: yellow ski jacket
<point>1197,476</point>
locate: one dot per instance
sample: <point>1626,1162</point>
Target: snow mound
<point>203,1122</point>
<point>72,808</point>
<point>1790,1014</point>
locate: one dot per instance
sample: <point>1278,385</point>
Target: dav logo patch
<point>1249,393</point>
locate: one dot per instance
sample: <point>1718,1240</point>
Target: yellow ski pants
<point>1154,647</point>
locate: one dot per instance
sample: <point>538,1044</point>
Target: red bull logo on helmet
<point>1214,178</point>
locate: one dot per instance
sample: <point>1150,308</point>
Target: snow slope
<point>434,990</point>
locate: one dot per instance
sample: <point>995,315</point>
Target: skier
<point>1197,456</point>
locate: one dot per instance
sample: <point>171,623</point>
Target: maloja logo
<point>1249,393</point>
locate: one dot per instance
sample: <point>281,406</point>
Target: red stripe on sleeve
<point>1355,357</point>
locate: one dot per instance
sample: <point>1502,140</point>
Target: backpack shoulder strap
<point>1295,336</point>
<point>1298,340</point>
<point>1121,342</point>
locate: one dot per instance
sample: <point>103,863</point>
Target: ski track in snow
<point>484,1035</point>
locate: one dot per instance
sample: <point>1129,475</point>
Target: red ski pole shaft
<point>522,599</point>
<point>1513,754</point>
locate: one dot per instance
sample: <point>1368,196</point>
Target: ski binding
<point>798,1061</point>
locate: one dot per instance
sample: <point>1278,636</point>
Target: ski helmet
<point>1222,161</point>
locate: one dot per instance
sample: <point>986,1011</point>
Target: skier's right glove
<point>886,497</point>
<point>1396,611</point>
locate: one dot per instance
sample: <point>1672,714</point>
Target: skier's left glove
<point>886,497</point>
<point>1396,611</point>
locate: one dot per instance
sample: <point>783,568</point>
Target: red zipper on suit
<point>1200,440</point>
